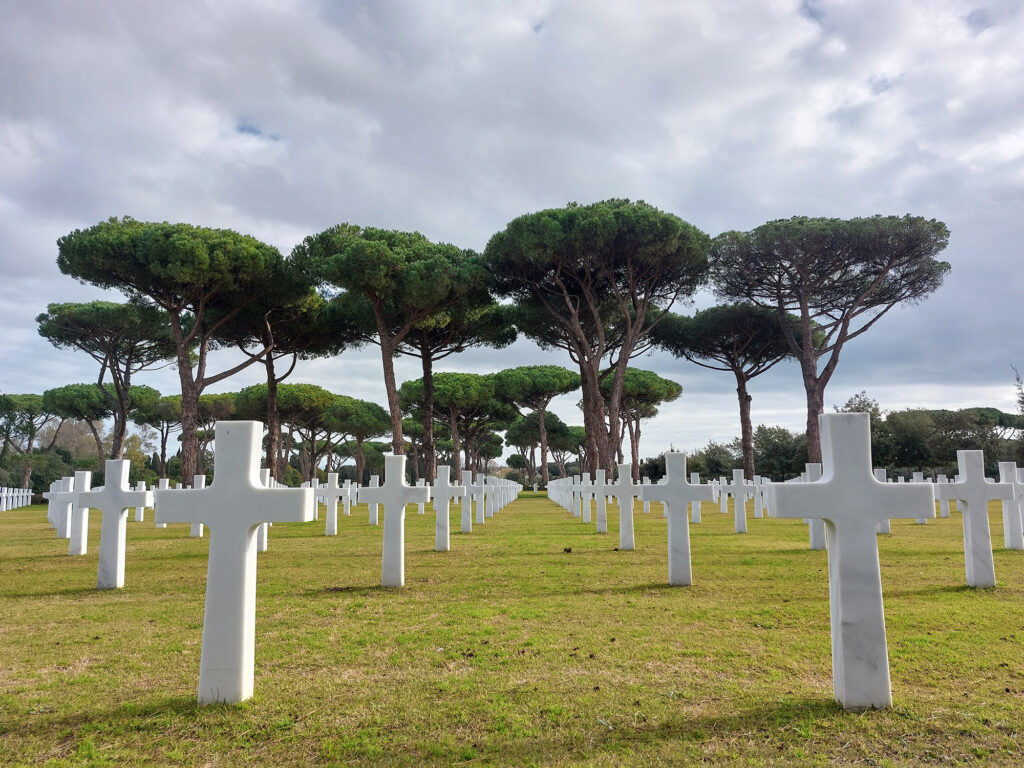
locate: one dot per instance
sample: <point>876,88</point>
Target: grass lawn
<point>506,650</point>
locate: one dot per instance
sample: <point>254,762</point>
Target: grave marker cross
<point>852,501</point>
<point>233,507</point>
<point>625,491</point>
<point>63,502</point>
<point>975,492</point>
<point>443,493</point>
<point>739,490</point>
<point>394,495</point>
<point>466,506</point>
<point>675,493</point>
<point>601,490</point>
<point>78,532</point>
<point>330,493</point>
<point>1013,535</point>
<point>113,502</point>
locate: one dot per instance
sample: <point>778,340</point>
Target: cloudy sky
<point>279,118</point>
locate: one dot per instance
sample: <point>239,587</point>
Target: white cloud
<point>280,119</point>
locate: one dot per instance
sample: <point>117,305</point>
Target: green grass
<point>506,650</point>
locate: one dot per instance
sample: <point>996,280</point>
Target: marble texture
<point>675,493</point>
<point>852,502</point>
<point>233,507</point>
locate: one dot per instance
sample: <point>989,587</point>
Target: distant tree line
<point>596,281</point>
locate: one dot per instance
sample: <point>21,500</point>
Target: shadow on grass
<point>800,716</point>
<point>626,589</point>
<point>935,590</point>
<point>67,591</point>
<point>347,590</point>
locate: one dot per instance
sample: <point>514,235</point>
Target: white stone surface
<point>371,505</point>
<point>625,491</point>
<point>421,506</point>
<point>739,490</point>
<point>140,512</point>
<point>695,517</point>
<point>675,493</point>
<point>78,534</point>
<point>331,492</point>
<point>852,502</point>
<point>974,493</point>
<point>234,506</point>
<point>883,524</point>
<point>443,492</point>
<point>195,530</point>
<point>943,502</point>
<point>263,529</point>
<point>586,497</point>
<point>479,498</point>
<point>394,495</point>
<point>466,507</point>
<point>113,502</point>
<point>1013,533</point>
<point>162,484</point>
<point>816,526</point>
<point>64,499</point>
<point>601,490</point>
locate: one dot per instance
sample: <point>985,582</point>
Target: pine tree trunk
<point>273,416</point>
<point>429,448</point>
<point>746,430</point>
<point>542,429</point>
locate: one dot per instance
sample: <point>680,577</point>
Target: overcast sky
<point>279,119</point>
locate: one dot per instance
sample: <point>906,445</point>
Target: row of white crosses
<point>576,494</point>
<point>14,498</point>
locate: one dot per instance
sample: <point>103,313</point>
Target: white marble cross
<point>466,507</point>
<point>330,493</point>
<point>758,490</point>
<point>852,502</point>
<point>943,502</point>
<point>815,525</point>
<point>421,506</point>
<point>918,477</point>
<point>675,493</point>
<point>351,490</point>
<point>586,494</point>
<point>64,499</point>
<point>625,490</point>
<point>47,494</point>
<point>974,492</point>
<point>883,524</point>
<point>113,503</point>
<point>479,499</point>
<point>233,506</point>
<point>78,533</point>
<point>263,529</point>
<point>140,512</point>
<point>695,505</point>
<point>575,496</point>
<point>314,483</point>
<point>739,490</point>
<point>198,483</point>
<point>723,495</point>
<point>1013,534</point>
<point>646,502</point>
<point>601,490</point>
<point>443,492</point>
<point>367,493</point>
<point>162,484</point>
<point>491,503</point>
<point>394,495</point>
